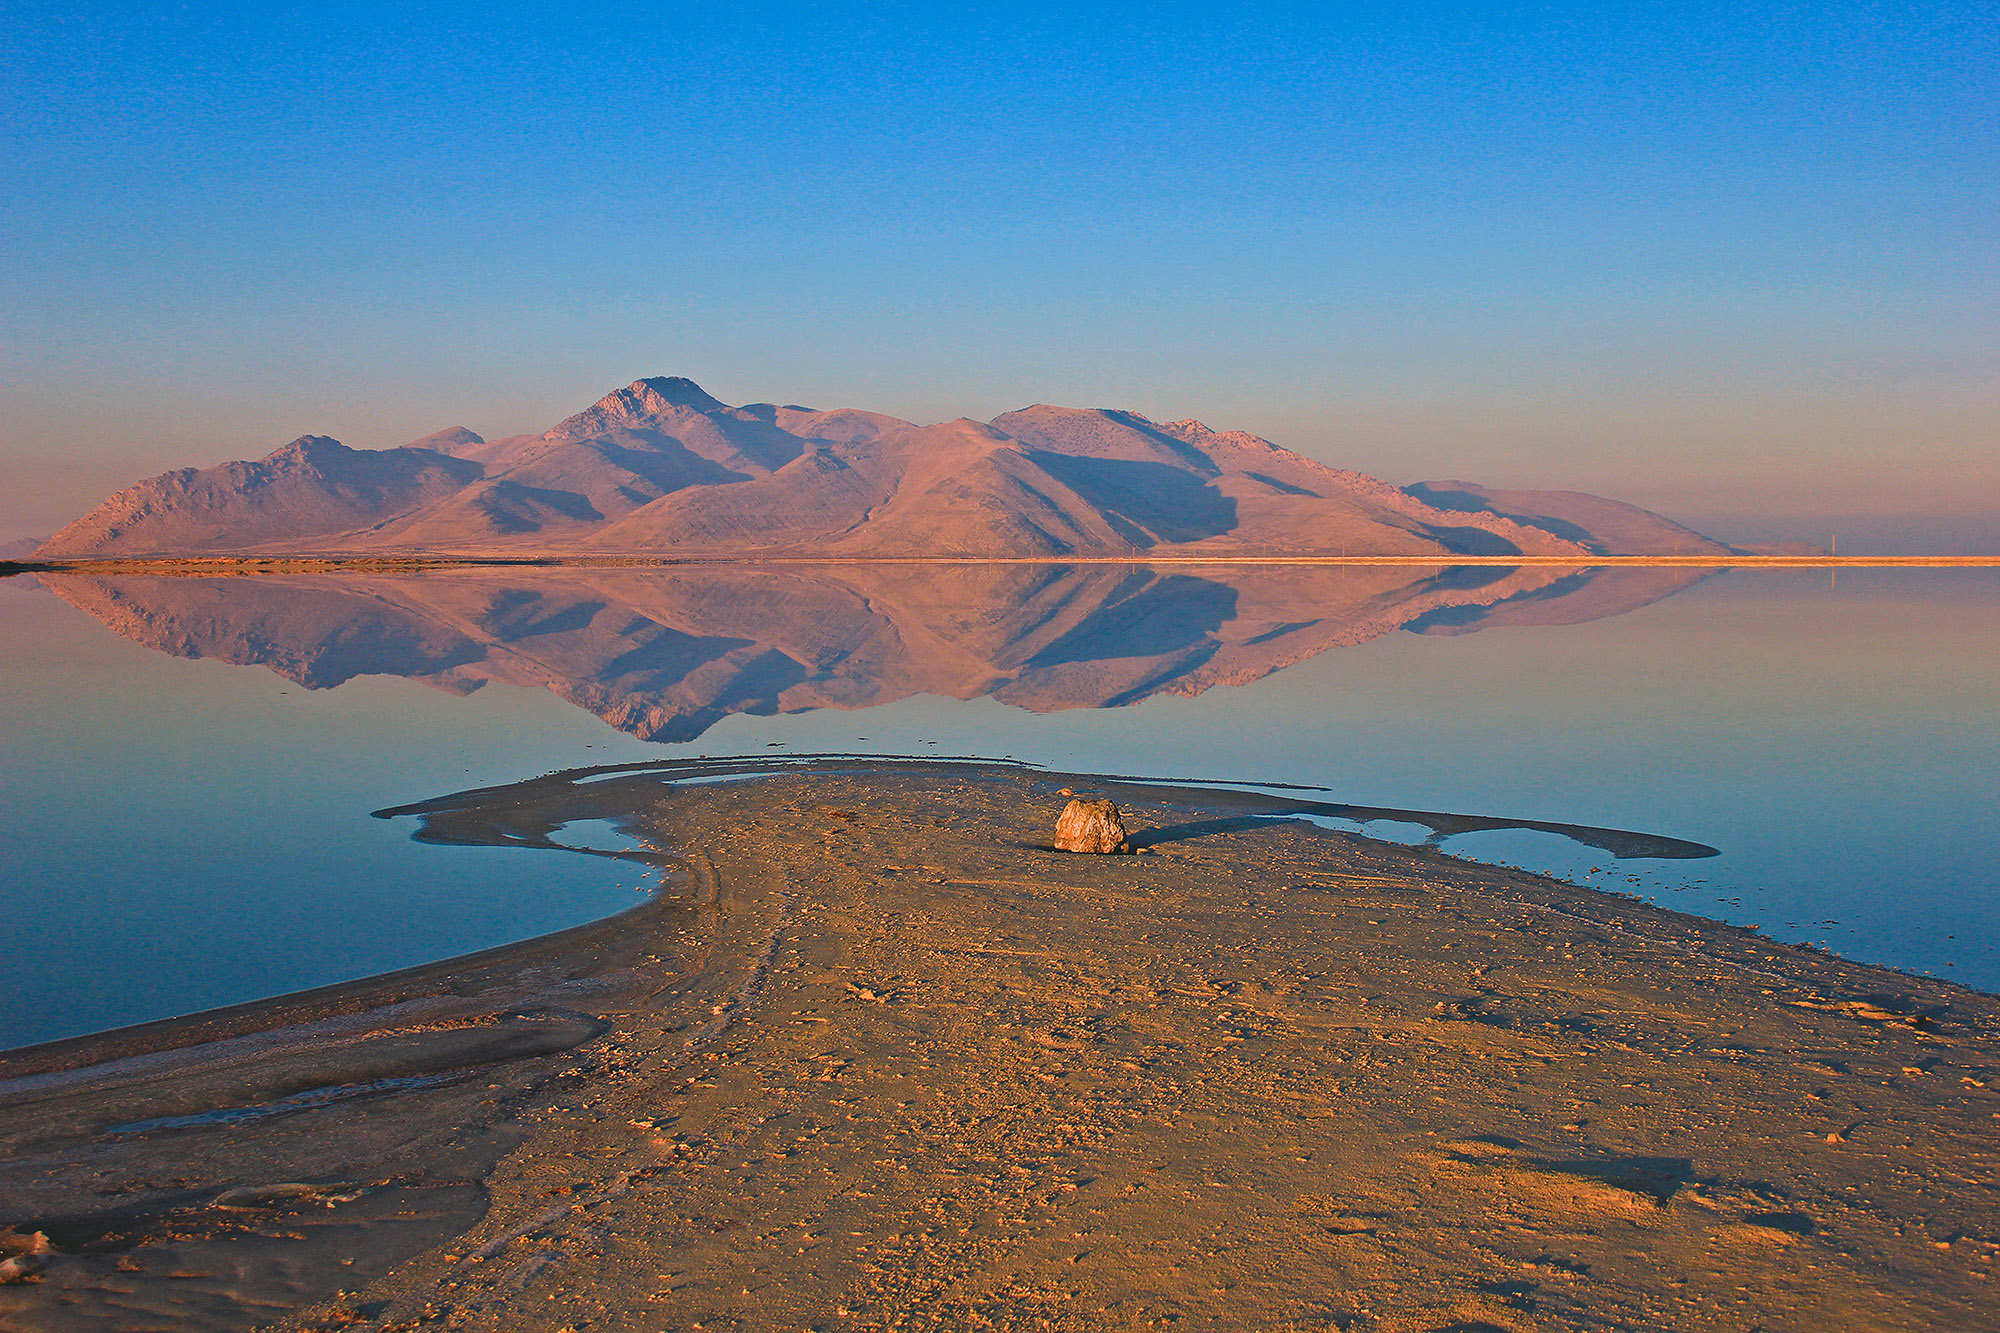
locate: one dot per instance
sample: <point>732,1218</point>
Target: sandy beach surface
<point>875,1057</point>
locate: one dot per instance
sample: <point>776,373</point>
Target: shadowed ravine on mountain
<point>665,654</point>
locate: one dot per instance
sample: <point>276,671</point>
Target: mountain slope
<point>1604,526</point>
<point>662,467</point>
<point>1181,483</point>
<point>312,488</point>
<point>966,488</point>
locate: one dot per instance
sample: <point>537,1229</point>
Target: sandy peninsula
<point>874,1057</point>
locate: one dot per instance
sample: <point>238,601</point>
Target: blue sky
<point>1737,262</point>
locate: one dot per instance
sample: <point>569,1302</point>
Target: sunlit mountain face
<point>661,467</point>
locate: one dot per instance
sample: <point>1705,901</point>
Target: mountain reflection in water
<point>664,654</point>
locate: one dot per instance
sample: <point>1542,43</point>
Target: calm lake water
<point>190,764</point>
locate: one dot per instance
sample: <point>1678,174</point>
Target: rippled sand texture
<point>876,1058</point>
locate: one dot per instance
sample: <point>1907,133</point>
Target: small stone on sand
<point>1091,826</point>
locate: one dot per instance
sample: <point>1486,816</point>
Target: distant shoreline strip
<point>304,564</point>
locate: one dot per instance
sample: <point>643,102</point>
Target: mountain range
<point>660,467</point>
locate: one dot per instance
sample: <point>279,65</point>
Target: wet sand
<point>876,1058</point>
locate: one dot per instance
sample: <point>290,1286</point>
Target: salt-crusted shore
<point>874,1057</point>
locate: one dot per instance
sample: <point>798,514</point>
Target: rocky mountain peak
<point>1201,435</point>
<point>307,449</point>
<point>450,440</point>
<point>673,391</point>
<point>638,402</point>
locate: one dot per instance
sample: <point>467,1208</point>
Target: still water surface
<point>187,766</point>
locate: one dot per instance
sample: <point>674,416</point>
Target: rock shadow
<point>1198,828</point>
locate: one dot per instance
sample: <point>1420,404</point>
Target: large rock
<point>1091,826</point>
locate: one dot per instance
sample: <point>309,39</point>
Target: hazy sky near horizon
<point>1735,262</point>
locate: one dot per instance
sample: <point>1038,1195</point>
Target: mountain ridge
<point>662,466</point>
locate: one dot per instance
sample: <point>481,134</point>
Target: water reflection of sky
<point>181,834</point>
